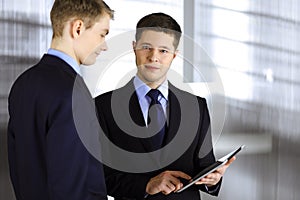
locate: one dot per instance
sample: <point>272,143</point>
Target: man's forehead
<point>156,38</point>
<point>103,22</point>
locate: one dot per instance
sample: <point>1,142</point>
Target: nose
<point>103,46</point>
<point>153,55</point>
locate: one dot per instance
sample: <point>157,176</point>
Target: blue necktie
<point>157,120</point>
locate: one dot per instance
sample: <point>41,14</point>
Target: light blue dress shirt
<point>142,89</point>
<point>65,57</point>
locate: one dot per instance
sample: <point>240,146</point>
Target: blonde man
<point>47,159</point>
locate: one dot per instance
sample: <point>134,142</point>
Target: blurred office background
<point>255,46</point>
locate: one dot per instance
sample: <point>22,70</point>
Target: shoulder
<point>119,94</point>
<point>187,96</point>
<point>51,76</point>
<point>105,97</point>
<point>49,67</point>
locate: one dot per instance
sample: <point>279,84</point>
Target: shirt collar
<point>142,89</point>
<point>65,57</point>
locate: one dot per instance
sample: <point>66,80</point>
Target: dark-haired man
<point>157,39</point>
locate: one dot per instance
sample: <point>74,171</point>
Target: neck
<point>63,45</point>
<point>152,84</point>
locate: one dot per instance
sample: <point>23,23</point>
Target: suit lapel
<point>135,110</point>
<point>174,115</point>
<point>137,114</point>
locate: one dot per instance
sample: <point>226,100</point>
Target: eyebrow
<point>160,47</point>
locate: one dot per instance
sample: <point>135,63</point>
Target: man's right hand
<point>166,182</point>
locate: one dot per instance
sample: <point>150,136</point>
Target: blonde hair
<point>88,11</point>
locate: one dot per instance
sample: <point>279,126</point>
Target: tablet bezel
<point>219,163</point>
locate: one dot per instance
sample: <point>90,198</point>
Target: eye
<point>164,51</point>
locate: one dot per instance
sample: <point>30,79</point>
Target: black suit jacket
<point>188,135</point>
<point>47,159</point>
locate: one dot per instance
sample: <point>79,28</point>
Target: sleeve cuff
<point>146,195</point>
<point>213,189</point>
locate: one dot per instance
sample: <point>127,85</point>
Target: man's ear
<point>175,54</point>
<point>133,45</point>
<point>77,28</point>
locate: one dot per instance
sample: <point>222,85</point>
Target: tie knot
<point>153,94</point>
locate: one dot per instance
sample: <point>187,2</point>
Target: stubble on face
<point>154,53</point>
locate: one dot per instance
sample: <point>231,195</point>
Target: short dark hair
<point>160,22</point>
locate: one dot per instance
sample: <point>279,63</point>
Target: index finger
<point>180,174</point>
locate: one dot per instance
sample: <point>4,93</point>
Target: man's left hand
<point>214,177</point>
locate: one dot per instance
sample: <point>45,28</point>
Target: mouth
<point>152,67</point>
<point>97,53</point>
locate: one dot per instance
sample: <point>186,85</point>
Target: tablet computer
<point>222,161</point>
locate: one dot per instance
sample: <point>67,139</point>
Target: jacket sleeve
<point>204,154</point>
<point>73,173</point>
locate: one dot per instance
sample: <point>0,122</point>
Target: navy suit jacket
<point>47,159</point>
<point>188,118</point>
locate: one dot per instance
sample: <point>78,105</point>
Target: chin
<point>89,61</point>
<point>152,80</point>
